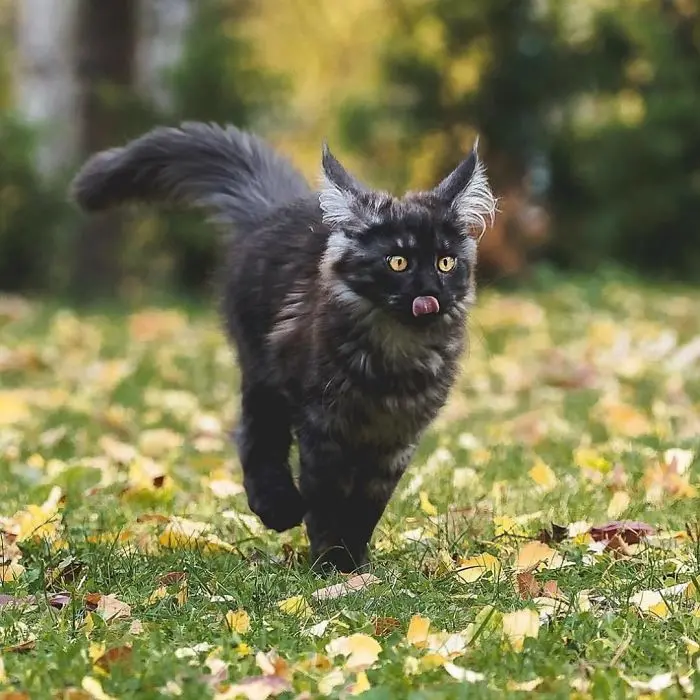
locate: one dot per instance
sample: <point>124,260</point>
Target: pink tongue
<point>425,305</point>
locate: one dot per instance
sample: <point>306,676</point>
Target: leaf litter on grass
<point>552,508</point>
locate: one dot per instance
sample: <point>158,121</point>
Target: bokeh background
<point>588,113</point>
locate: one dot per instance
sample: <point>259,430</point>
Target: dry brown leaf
<point>171,578</point>
<point>527,585</point>
<point>631,531</point>
<point>136,628</point>
<point>618,546</point>
<point>551,590</point>
<point>384,626</point>
<point>107,606</point>
<point>113,656</point>
<point>351,585</point>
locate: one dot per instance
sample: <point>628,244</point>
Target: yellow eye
<point>446,263</point>
<point>397,263</point>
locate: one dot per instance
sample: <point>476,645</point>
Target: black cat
<point>347,308</point>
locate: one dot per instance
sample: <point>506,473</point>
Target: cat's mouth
<point>425,306</point>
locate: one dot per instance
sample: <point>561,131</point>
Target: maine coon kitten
<point>347,308</point>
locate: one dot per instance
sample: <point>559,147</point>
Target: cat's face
<point>414,257</point>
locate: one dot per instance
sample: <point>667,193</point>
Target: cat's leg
<point>264,438</point>
<point>346,496</point>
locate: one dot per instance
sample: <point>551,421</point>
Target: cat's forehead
<point>414,223</point>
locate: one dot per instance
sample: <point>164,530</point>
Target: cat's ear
<point>340,193</point>
<point>467,191</point>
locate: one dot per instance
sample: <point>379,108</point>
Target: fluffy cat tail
<point>234,175</point>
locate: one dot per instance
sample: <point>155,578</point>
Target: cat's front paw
<point>275,499</point>
<point>338,559</point>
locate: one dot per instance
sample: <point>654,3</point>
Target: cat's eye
<point>398,263</point>
<point>446,263</point>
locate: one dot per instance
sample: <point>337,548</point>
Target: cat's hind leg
<point>264,438</point>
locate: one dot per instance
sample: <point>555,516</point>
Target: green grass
<point>572,367</point>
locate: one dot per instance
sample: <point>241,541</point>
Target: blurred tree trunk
<point>106,40</point>
<point>45,82</point>
<point>162,28</point>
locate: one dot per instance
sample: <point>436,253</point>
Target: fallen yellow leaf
<point>505,525</point>
<point>425,505</point>
<point>691,646</point>
<point>14,407</point>
<point>10,572</point>
<point>181,533</point>
<point>296,605</point>
<point>158,442</point>
<point>330,681</point>
<point>157,595</point>
<point>587,458</point>
<point>543,475</point>
<point>651,602</point>
<point>39,522</point>
<point>238,621</point>
<point>361,651</point>
<point>525,686</point>
<point>519,625</point>
<point>361,684</point>
<point>96,650</point>
<point>418,629</point>
<point>535,555</point>
<point>622,419</point>
<point>473,568</point>
<point>93,688</point>
<point>618,504</point>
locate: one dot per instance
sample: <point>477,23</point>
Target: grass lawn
<point>131,567</point>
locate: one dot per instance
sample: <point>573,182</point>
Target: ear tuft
<point>468,192</point>
<point>338,194</point>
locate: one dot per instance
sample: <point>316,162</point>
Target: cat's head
<point>413,257</point>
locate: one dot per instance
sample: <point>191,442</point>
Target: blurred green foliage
<point>590,106</point>
<point>217,80</point>
<point>34,216</point>
<point>596,104</point>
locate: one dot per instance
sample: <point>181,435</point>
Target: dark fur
<point>329,350</point>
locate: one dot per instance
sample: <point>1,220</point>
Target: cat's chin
<point>418,323</point>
